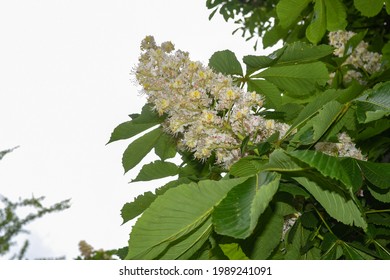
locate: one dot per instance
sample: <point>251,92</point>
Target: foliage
<point>87,252</point>
<point>285,156</point>
<point>13,224</point>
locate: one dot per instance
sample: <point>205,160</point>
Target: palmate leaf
<point>237,214</point>
<point>296,80</point>
<point>336,203</point>
<point>178,220</point>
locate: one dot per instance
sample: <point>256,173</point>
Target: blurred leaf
<point>233,251</point>
<point>336,16</point>
<point>317,28</point>
<point>369,8</point>
<point>288,11</point>
<point>225,62</point>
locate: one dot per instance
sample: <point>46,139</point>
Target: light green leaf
<point>237,214</point>
<point>335,15</point>
<point>377,173</point>
<point>147,119</point>
<point>296,80</point>
<point>369,8</point>
<point>317,28</point>
<point>268,237</point>
<point>288,11</point>
<point>178,220</point>
<point>336,203</point>
<point>226,63</point>
<point>233,251</point>
<point>139,148</point>
<point>156,170</point>
<point>387,3</point>
<point>327,165</point>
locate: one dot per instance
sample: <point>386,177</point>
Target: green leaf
<point>313,107</point>
<point>147,119</point>
<point>352,253</point>
<point>288,11</point>
<point>233,251</point>
<point>273,95</point>
<point>369,8</point>
<point>139,148</point>
<point>336,15</point>
<point>225,62</point>
<point>296,80</point>
<point>237,214</point>
<point>254,63</point>
<point>380,219</point>
<point>300,52</point>
<point>317,28</point>
<point>336,203</point>
<point>387,4</point>
<point>375,104</point>
<point>380,194</point>
<point>177,220</point>
<point>137,207</point>
<point>319,124</point>
<point>268,237</point>
<point>377,173</point>
<point>279,161</point>
<point>156,170</point>
<point>327,165</point>
<point>247,166</point>
<point>165,147</point>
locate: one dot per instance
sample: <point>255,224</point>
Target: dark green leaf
<point>139,148</point>
<point>226,63</point>
<point>165,147</point>
<point>382,195</point>
<point>137,207</point>
<point>377,173</point>
<point>300,52</point>
<point>380,219</point>
<point>147,119</point>
<point>247,166</point>
<point>156,170</point>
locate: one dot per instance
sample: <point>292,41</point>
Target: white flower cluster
<point>359,58</point>
<point>205,111</point>
<point>344,148</point>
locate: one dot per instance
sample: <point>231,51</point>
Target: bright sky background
<point>65,84</point>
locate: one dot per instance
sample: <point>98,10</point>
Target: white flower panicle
<point>205,110</point>
<point>359,58</point>
<point>344,148</point>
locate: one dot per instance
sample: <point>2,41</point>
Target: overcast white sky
<point>65,84</point>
